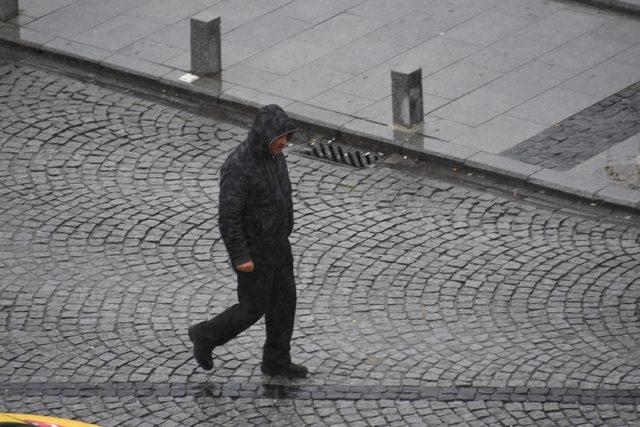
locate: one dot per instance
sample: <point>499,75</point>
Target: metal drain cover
<point>343,154</point>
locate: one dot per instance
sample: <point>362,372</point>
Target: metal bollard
<point>206,54</point>
<point>406,95</point>
<point>8,9</point>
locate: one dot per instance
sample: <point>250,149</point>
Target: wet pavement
<point>420,300</point>
<point>498,75</point>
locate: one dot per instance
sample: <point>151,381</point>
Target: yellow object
<point>41,421</point>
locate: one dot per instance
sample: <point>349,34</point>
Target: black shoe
<point>201,351</point>
<point>291,371</point>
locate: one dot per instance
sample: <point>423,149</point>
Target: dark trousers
<point>269,290</point>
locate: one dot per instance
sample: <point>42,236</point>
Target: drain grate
<point>343,154</point>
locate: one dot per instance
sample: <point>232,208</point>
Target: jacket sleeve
<point>233,203</point>
<point>289,198</point>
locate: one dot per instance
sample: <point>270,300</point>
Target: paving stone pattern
<point>585,134</point>
<point>419,301</point>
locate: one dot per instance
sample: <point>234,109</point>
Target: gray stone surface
<point>486,64</point>
<point>584,186</point>
<point>502,165</point>
<point>206,43</point>
<point>553,106</point>
<point>118,32</point>
<point>406,97</point>
<point>420,300</point>
<point>585,134</point>
<point>619,195</point>
<point>8,9</point>
<point>499,134</point>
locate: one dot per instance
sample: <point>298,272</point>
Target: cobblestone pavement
<point>420,301</point>
<point>585,134</point>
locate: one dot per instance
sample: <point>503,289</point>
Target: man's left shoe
<point>201,350</point>
<point>291,371</point>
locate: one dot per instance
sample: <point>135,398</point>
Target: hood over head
<point>270,123</point>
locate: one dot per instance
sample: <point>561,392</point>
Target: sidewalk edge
<point>517,173</point>
<point>615,5</point>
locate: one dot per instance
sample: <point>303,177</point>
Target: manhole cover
<point>340,153</point>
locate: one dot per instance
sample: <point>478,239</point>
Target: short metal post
<point>406,95</point>
<point>8,9</point>
<point>205,45</point>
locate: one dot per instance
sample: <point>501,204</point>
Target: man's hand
<point>247,267</point>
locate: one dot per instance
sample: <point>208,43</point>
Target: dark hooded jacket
<point>256,209</point>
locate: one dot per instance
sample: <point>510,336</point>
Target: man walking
<point>255,220</point>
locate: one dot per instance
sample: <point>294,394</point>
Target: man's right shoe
<point>291,371</point>
<point>201,351</point>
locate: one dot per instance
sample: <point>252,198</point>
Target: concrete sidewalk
<point>537,90</point>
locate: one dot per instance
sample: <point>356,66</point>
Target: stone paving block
<point>585,134</point>
<point>553,106</point>
<point>306,82</point>
<point>176,35</point>
<point>381,111</point>
<point>487,28</point>
<point>38,9</point>
<point>458,79</point>
<point>411,30</point>
<point>463,10</point>
<point>361,55</point>
<point>583,52</point>
<point>238,13</point>
<point>373,84</point>
<point>502,165</point>
<point>499,134</point>
<point>24,35</point>
<point>443,129</point>
<point>339,102</point>
<point>624,29</point>
<point>509,53</point>
<point>339,31</point>
<point>531,79</point>
<point>447,150</point>
<point>562,26</point>
<point>288,56</point>
<point>135,65</point>
<point>478,107</point>
<point>165,11</point>
<point>148,50</point>
<point>604,79</point>
<point>77,50</point>
<point>530,9</point>
<point>243,75</point>
<point>433,55</point>
<point>317,11</point>
<point>369,129</point>
<point>319,116</point>
<point>584,186</point>
<point>77,17</point>
<point>232,54</point>
<point>253,97</point>
<point>379,10</point>
<point>266,31</point>
<point>619,195</point>
<point>118,32</point>
<point>630,56</point>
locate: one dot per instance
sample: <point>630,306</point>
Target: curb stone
<point>370,134</point>
<point>631,7</point>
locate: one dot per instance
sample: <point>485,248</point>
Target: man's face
<point>278,145</point>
